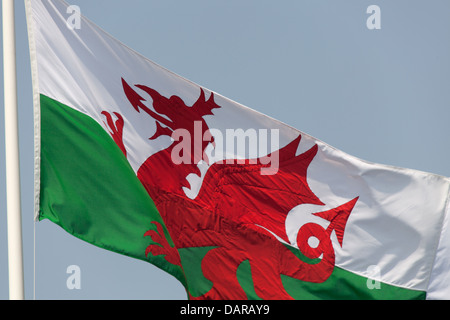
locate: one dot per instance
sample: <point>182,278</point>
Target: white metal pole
<point>14,225</point>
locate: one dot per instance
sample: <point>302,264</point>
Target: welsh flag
<point>135,159</point>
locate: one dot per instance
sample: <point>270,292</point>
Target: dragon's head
<point>173,117</point>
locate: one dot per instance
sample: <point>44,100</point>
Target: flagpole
<point>14,225</point>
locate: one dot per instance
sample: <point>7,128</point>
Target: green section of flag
<point>191,259</point>
<point>89,188</point>
<point>345,285</point>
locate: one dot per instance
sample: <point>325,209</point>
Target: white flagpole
<point>15,258</point>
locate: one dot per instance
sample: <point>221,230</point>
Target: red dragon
<point>238,211</point>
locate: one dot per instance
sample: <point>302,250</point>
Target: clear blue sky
<point>381,95</point>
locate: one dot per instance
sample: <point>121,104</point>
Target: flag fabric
<point>135,159</point>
